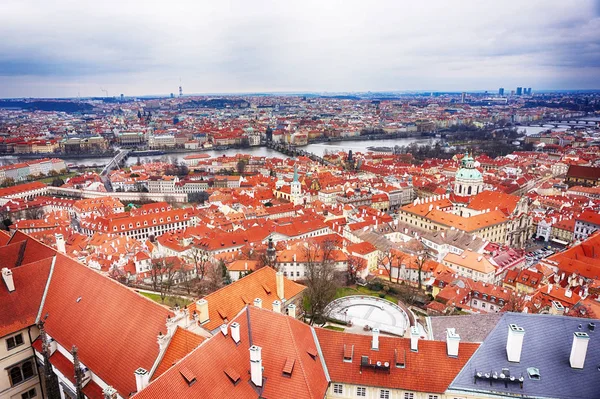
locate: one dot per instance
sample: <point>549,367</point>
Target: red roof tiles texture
<point>281,338</point>
<point>428,370</point>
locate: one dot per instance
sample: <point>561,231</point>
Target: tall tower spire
<point>50,379</point>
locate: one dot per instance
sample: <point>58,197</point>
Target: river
<point>318,148</point>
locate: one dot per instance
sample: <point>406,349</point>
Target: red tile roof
<point>428,370</point>
<point>182,343</point>
<point>218,362</point>
<point>20,308</point>
<point>228,301</point>
<point>114,328</point>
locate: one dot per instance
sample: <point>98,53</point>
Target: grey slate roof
<point>470,328</point>
<point>546,346</point>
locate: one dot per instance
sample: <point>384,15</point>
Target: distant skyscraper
<point>529,91</point>
<point>180,91</point>
<point>519,91</point>
<point>122,97</point>
<point>172,95</point>
<point>501,91</point>
<point>462,97</point>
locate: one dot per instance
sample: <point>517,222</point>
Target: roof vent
<point>233,375</point>
<point>288,367</point>
<point>188,376</point>
<point>533,373</point>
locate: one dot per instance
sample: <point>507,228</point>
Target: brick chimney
<point>292,310</point>
<point>7,276</point>
<point>452,342</point>
<point>514,343</point>
<point>235,331</point>
<point>224,329</point>
<point>579,349</point>
<point>60,243</point>
<point>142,378</point>
<point>258,303</point>
<point>279,280</point>
<point>202,310</point>
<point>256,368</point>
<point>414,339</point>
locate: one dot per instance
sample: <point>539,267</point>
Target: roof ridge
<point>46,288</point>
<point>301,364</point>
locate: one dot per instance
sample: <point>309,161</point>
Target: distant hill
<point>60,106</point>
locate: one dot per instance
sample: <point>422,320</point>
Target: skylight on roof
<point>533,373</point>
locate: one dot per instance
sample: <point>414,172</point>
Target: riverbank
<point>108,154</point>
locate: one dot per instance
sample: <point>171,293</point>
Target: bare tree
<point>355,266</point>
<point>214,276</point>
<point>119,274</point>
<point>199,258</point>
<point>184,278</point>
<point>390,259</point>
<point>420,262</point>
<point>321,284</point>
<point>162,273</point>
<point>34,213</point>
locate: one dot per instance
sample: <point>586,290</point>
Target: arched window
<point>21,372</point>
<point>469,191</point>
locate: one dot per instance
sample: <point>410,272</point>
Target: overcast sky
<point>70,47</point>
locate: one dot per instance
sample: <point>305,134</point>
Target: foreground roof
<point>114,328</point>
<point>546,346</point>
<point>428,370</point>
<point>221,367</point>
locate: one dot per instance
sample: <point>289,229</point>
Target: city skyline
<point>66,50</point>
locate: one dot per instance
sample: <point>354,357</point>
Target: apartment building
<point>140,227</point>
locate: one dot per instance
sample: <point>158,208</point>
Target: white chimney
<point>375,342</point>
<point>514,343</point>
<point>7,276</point>
<point>292,310</point>
<point>452,342</point>
<point>579,349</point>
<point>256,369</point>
<point>276,306</point>
<point>109,393</point>
<point>224,329</point>
<point>60,243</point>
<point>414,339</point>
<point>163,341</point>
<point>202,310</point>
<point>142,378</point>
<point>557,308</point>
<point>279,281</point>
<point>258,303</point>
<point>235,331</point>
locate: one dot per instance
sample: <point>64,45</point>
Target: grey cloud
<point>143,47</point>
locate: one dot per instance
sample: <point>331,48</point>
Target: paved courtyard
<point>370,311</point>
